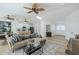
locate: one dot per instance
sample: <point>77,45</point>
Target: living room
<point>56,25</point>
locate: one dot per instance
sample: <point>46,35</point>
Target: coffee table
<point>31,49</point>
<point>33,45</point>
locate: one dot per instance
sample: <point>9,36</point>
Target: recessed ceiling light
<point>38,17</point>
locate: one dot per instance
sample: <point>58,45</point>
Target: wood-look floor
<point>59,41</point>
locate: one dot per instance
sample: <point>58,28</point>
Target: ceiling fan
<point>35,8</point>
<point>27,20</point>
<point>10,17</point>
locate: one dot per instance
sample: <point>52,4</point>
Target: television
<point>5,26</point>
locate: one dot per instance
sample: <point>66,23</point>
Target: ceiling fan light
<point>38,17</point>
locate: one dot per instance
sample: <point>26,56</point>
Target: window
<point>60,27</point>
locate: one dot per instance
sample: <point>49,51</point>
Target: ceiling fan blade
<point>29,11</point>
<point>8,16</point>
<point>27,8</point>
<point>40,9</point>
<point>36,12</point>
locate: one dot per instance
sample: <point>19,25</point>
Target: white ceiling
<point>53,11</point>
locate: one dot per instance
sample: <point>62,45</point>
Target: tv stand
<point>2,36</point>
<point>48,34</point>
